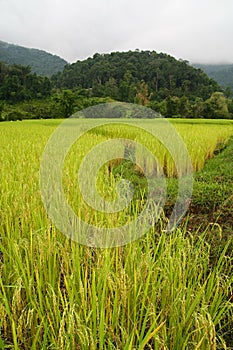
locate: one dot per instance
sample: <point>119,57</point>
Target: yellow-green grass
<point>156,293</point>
<point>22,144</point>
<point>200,137</point>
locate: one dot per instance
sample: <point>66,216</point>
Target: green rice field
<point>164,291</point>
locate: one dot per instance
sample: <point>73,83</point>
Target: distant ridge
<point>41,62</point>
<point>222,73</point>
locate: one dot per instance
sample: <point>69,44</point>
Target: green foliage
<point>230,106</point>
<point>111,89</point>
<point>216,106</point>
<point>222,73</point>
<point>119,73</point>
<point>33,109</point>
<point>170,87</point>
<point>127,88</point>
<point>1,110</point>
<point>18,84</point>
<point>66,101</point>
<point>41,62</point>
<point>172,106</point>
<point>60,105</point>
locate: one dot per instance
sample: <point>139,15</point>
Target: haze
<point>195,30</point>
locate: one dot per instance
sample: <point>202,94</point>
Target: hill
<point>171,87</point>
<point>120,74</point>
<point>41,62</point>
<point>222,73</point>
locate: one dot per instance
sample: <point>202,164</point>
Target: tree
<point>1,110</point>
<point>163,74</point>
<point>172,106</point>
<point>143,96</point>
<point>230,107</point>
<point>197,108</point>
<point>216,106</point>
<point>228,92</point>
<point>127,87</point>
<point>184,106</point>
<point>19,84</point>
<point>66,101</point>
<point>111,89</point>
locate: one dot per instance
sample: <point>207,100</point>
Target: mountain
<point>222,73</point>
<point>41,62</point>
<point>120,74</point>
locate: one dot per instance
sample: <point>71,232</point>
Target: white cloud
<point>197,30</point>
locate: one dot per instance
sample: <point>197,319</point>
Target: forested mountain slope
<point>119,75</point>
<point>41,62</point>
<point>171,87</point>
<point>222,73</point>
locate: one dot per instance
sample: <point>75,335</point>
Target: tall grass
<point>160,292</point>
<point>157,293</point>
<point>201,138</point>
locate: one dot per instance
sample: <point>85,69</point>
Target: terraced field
<point>165,290</point>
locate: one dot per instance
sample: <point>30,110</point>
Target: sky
<point>199,31</point>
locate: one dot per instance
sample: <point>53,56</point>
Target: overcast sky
<point>195,30</point>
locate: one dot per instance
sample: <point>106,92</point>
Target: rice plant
<point>159,292</point>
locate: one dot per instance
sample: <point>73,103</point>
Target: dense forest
<point>171,87</point>
<point>222,73</point>
<point>26,95</point>
<point>115,73</point>
<point>41,62</point>
<point>18,83</point>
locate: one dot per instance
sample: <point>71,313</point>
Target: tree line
<point>171,87</point>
